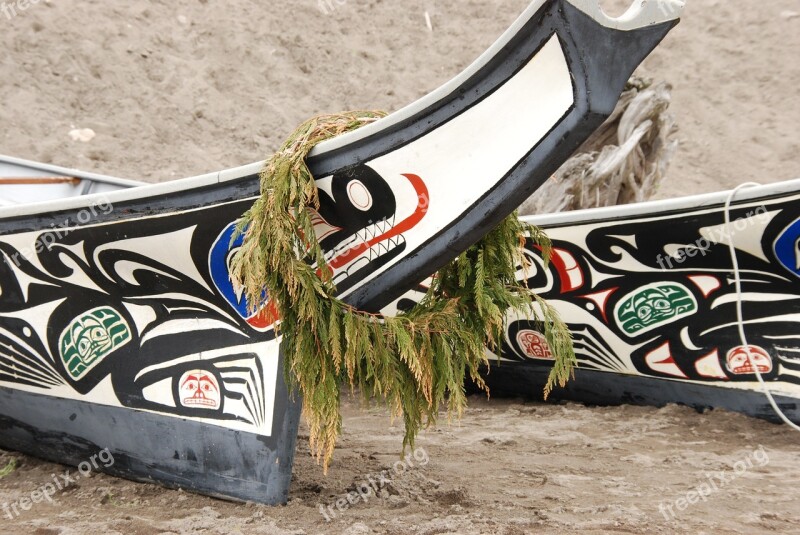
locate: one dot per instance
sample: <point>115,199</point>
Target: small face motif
<point>739,364</point>
<point>534,344</point>
<point>91,338</point>
<point>199,389</point>
<point>653,305</point>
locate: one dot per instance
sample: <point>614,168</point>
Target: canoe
<point>649,292</point>
<point>120,329</point>
<point>620,281</point>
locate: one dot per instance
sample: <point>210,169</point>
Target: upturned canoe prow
<point>120,328</point>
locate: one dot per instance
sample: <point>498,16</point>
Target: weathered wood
<point>624,161</point>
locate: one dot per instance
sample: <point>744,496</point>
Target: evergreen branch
<point>415,361</point>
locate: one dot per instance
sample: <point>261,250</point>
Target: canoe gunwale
<point>665,207</point>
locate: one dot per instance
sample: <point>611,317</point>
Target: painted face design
<point>739,364</point>
<point>654,305</point>
<point>534,344</point>
<point>199,389</point>
<point>90,338</point>
<point>358,222</point>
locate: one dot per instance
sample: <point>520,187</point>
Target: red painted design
<point>661,360</point>
<point>740,361</point>
<point>534,344</point>
<point>265,317</point>
<point>601,300</point>
<point>568,269</point>
<point>199,389</point>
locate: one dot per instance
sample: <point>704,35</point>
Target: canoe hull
<point>527,380</point>
<point>149,447</point>
<point>125,334</point>
<point>648,292</point>
<point>120,327</point>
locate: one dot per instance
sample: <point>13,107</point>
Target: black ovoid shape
<point>360,199</point>
<point>341,211</point>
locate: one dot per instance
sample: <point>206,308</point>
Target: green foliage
<point>483,282</point>
<point>416,361</point>
<point>8,469</point>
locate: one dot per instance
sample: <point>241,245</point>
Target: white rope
<point>739,316</point>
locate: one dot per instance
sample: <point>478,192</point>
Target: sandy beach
<point>174,89</point>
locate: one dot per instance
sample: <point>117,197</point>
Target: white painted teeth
<point>374,230</point>
<point>380,249</point>
<point>364,236</point>
<point>374,252</point>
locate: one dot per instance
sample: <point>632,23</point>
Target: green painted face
<point>90,338</point>
<point>654,305</point>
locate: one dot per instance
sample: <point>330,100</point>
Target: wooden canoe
<point>120,328</point>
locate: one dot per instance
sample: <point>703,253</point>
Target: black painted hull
<point>153,448</point>
<point>512,379</point>
<point>120,327</point>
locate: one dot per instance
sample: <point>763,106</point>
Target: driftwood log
<point>623,162</point>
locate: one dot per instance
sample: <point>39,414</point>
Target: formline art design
<point>126,332</point>
<point>645,333</point>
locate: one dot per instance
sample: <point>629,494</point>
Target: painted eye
<point>83,346</point>
<point>97,334</point>
<point>661,304</point>
<point>644,312</point>
<point>359,195</point>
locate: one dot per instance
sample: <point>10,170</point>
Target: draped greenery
<point>416,361</point>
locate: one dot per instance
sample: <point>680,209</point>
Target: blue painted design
<point>219,263</point>
<point>787,248</point>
